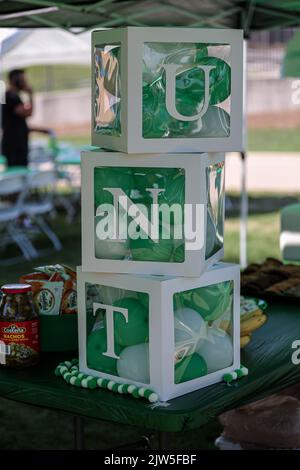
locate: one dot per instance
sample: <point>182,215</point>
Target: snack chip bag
<point>54,289</point>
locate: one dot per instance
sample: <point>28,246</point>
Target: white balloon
<point>110,249</point>
<point>134,363</point>
<point>216,350</point>
<point>190,328</point>
<point>108,295</point>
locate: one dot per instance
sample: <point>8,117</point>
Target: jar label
<point>19,342</point>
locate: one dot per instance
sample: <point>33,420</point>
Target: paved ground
<point>266,172</point>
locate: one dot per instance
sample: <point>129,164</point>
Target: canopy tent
<point>246,14</point>
<point>291,61</point>
<point>90,14</point>
<point>43,47</point>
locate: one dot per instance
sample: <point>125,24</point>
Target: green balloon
<point>96,346</point>
<point>111,177</point>
<point>190,93</point>
<point>184,51</point>
<point>152,178</point>
<point>191,367</point>
<point>148,250</point>
<point>171,180</point>
<point>210,301</point>
<point>201,51</point>
<point>178,300</point>
<point>190,83</point>
<point>178,255</point>
<point>136,330</point>
<point>143,297</point>
<point>151,99</point>
<point>159,124</point>
<point>174,189</point>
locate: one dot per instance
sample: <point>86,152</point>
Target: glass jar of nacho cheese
<point>19,327</point>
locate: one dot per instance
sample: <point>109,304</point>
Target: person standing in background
<point>15,130</point>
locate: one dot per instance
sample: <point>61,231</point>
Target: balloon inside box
<point>172,335</point>
<point>179,95</point>
<point>154,214</point>
<point>147,330</point>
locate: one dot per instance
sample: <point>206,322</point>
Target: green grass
<point>263,237</point>
<point>58,77</point>
<point>76,139</point>
<point>274,140</point>
<point>259,140</point>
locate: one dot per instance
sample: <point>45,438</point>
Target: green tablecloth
<point>3,160</point>
<point>268,358</point>
<point>73,160</point>
<point>15,171</point>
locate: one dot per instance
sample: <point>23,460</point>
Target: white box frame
<point>195,192</point>
<point>132,39</point>
<point>161,325</point>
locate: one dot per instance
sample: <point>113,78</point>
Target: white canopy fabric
<point>43,47</point>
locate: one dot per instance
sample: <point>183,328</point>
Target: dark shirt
<point>14,131</point>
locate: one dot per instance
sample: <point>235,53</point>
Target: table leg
<point>164,440</point>
<point>78,426</point>
<point>243,212</point>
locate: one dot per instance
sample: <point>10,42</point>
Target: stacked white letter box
<point>156,307</point>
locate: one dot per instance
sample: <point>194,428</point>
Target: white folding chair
<point>69,176</point>
<point>61,200</point>
<point>39,203</point>
<point>12,193</point>
<point>39,154</point>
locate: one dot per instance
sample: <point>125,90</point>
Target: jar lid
<point>16,288</point>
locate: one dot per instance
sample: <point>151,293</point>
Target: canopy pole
<point>244,194</point>
<point>243,212</point>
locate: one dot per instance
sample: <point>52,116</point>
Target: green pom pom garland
<point>69,371</point>
<point>234,375</point>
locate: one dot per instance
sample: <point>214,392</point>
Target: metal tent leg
<point>243,213</point>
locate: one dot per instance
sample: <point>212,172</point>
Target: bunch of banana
<point>252,318</point>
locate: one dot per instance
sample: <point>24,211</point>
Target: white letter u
<point>171,70</point>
